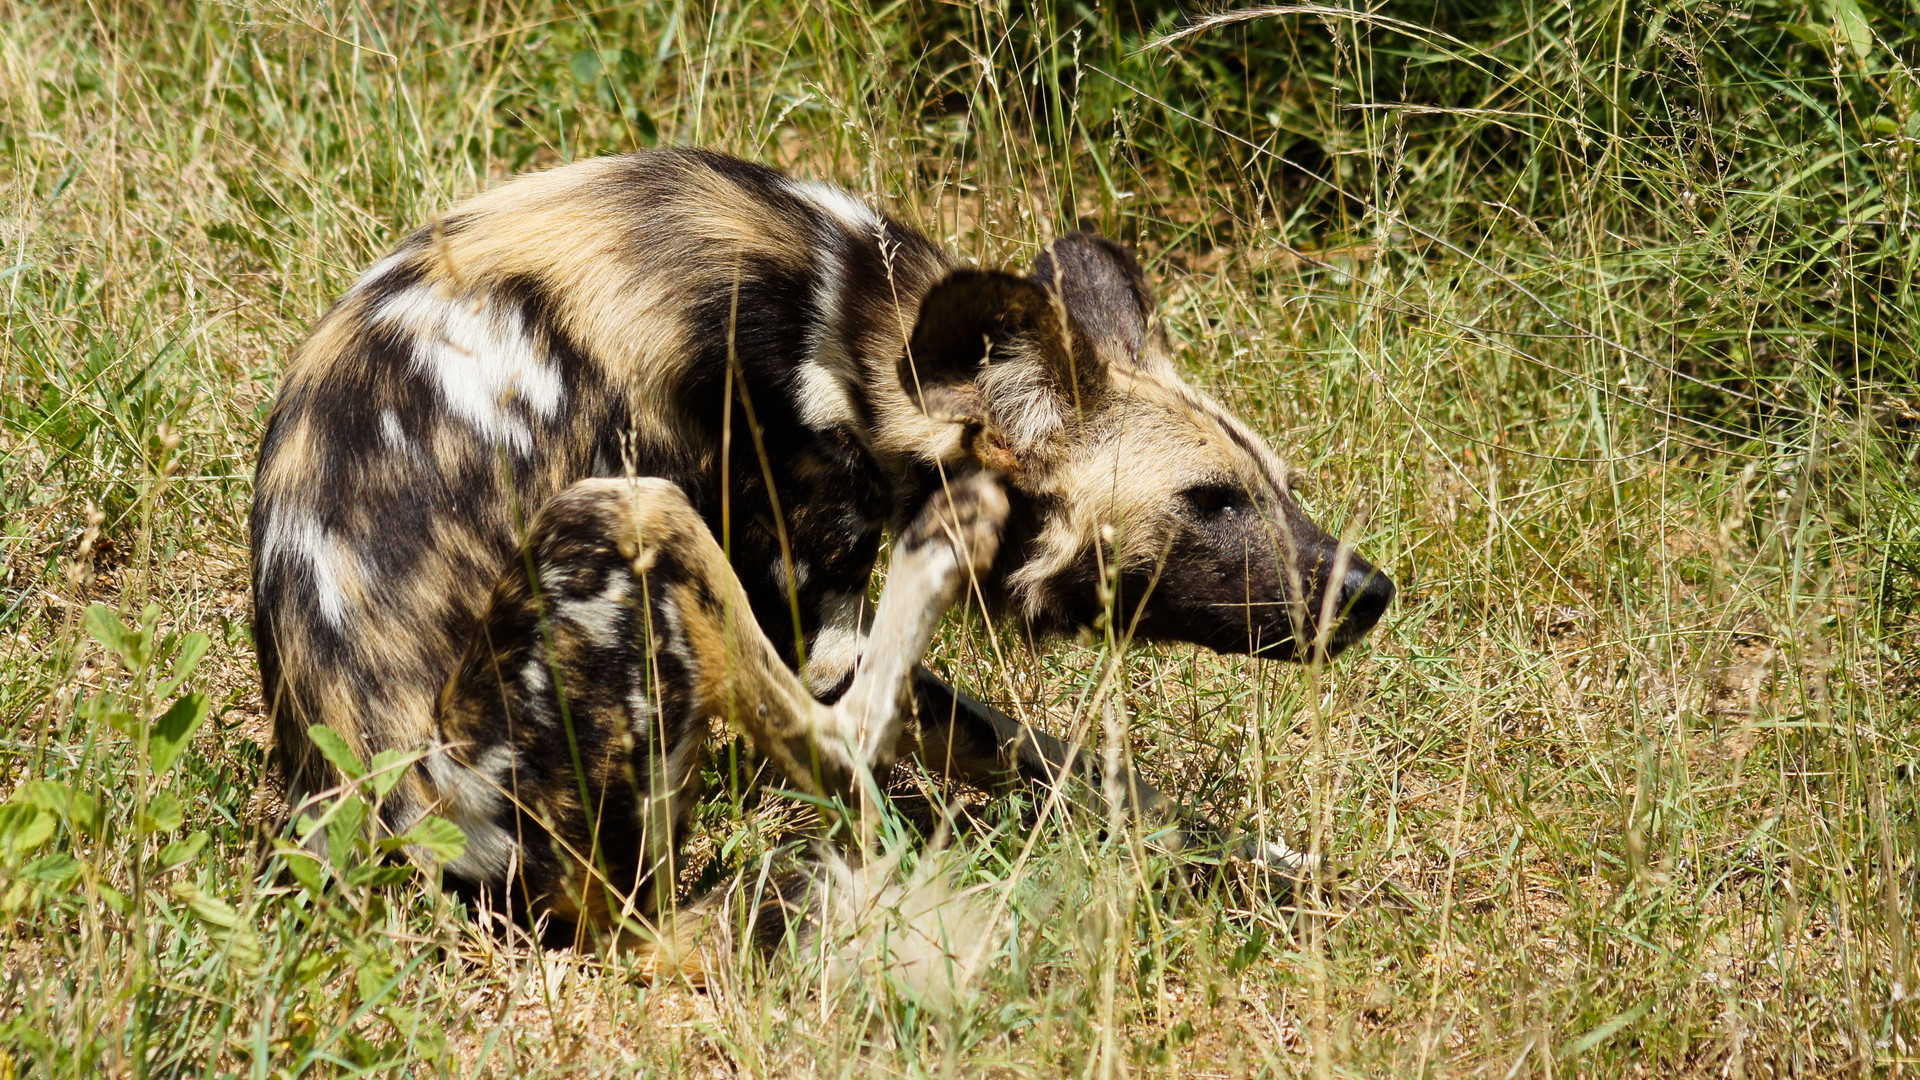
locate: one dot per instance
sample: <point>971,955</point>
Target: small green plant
<point>54,831</point>
<point>338,926</point>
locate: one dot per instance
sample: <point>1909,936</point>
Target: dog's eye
<point>1213,500</point>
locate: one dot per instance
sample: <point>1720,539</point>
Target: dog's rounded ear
<point>973,318</point>
<point>995,347</point>
<point>1103,290</point>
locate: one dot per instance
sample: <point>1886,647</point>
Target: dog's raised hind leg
<point>823,749</point>
<point>953,539</point>
<point>572,730</point>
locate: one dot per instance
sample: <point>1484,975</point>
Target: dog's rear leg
<point>958,736</point>
<point>952,539</point>
<point>571,730</point>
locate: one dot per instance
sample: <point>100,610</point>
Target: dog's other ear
<point>1103,289</point>
<point>993,347</point>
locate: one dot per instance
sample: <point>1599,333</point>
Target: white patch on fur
<point>599,617</point>
<point>479,354</point>
<point>640,710</point>
<point>822,395</point>
<point>390,429</point>
<point>671,633</point>
<point>1276,854</point>
<point>473,797</point>
<point>837,644</point>
<point>857,216</point>
<point>921,935</point>
<point>802,573</point>
<point>1025,401</point>
<point>1032,584</point>
<point>298,537</point>
<point>377,271</point>
<point>533,678</point>
<point>823,379</point>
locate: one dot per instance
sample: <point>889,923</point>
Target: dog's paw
<point>968,513</point>
<point>1298,867</point>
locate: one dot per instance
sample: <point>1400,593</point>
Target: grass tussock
<point>1595,324</point>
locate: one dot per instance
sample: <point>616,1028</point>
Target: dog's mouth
<point>1289,631</point>
<point>1196,599</point>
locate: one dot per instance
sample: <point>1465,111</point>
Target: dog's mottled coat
<point>608,452</point>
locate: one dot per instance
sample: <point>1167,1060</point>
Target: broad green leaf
<point>376,875</point>
<point>208,909</point>
<point>133,645</point>
<point>53,871</point>
<point>243,945</point>
<point>77,808</point>
<point>182,850</point>
<point>389,768</point>
<point>140,642</point>
<point>315,965</point>
<point>345,841</point>
<point>193,649</point>
<point>104,709</point>
<point>371,976</point>
<point>335,749</point>
<point>1807,34</point>
<point>87,814</point>
<point>1851,22</point>
<point>163,815</point>
<point>104,624</point>
<point>50,795</point>
<point>307,870</point>
<point>438,837</point>
<point>322,820</point>
<point>23,828</point>
<point>586,67</point>
<point>308,824</point>
<point>174,730</point>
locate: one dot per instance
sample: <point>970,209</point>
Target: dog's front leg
<point>968,739</point>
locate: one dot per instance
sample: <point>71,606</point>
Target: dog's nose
<point>1364,597</point>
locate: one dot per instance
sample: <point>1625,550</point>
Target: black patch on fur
<point>1103,289</point>
<point>831,496</point>
<point>977,317</point>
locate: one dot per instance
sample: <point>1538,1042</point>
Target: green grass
<point>1594,323</point>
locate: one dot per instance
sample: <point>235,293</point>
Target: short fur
<point>607,453</point>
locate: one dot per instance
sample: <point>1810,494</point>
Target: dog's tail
<point>915,933</point>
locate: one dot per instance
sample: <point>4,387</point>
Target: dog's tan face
<point>1135,493</point>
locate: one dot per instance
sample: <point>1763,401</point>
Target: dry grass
<point>1609,361</point>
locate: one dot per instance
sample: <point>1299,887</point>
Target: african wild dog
<point>607,453</point>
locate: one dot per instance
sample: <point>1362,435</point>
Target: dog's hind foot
<point>1295,869</point>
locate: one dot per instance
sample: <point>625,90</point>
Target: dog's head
<point>1122,473</point>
